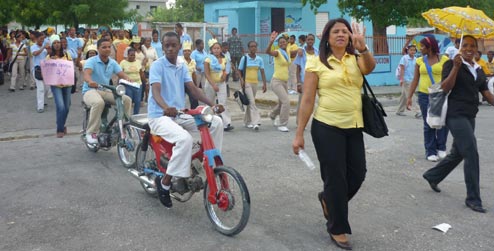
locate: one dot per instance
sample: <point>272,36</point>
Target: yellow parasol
<point>461,20</point>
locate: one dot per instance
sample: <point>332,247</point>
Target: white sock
<point>165,187</point>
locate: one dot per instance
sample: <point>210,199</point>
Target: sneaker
<point>92,138</point>
<point>11,90</point>
<point>432,158</point>
<point>21,88</point>
<point>418,115</point>
<point>249,126</point>
<point>283,129</point>
<point>400,114</point>
<point>228,128</point>
<point>255,127</point>
<point>441,154</point>
<point>41,110</point>
<point>60,134</point>
<point>31,88</point>
<point>163,194</point>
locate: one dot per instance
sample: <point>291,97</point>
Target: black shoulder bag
<point>373,114</point>
<point>241,94</point>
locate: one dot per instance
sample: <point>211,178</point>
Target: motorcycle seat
<point>139,120</point>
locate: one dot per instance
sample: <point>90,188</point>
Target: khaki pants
<point>402,105</point>
<point>280,88</point>
<point>18,67</point>
<point>221,95</point>
<point>252,116</point>
<point>292,77</point>
<point>96,99</point>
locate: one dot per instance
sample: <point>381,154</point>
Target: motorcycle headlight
<point>207,114</point>
<point>120,90</point>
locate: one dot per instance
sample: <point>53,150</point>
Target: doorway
<point>278,19</point>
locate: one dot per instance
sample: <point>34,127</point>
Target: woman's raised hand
<point>358,37</point>
<point>274,34</point>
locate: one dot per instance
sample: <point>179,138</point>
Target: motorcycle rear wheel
<point>145,157</point>
<point>231,211</point>
<point>127,152</point>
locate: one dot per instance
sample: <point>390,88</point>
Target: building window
<point>153,8</point>
<point>321,20</point>
<point>138,7</point>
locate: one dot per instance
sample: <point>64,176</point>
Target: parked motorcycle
<point>115,131</point>
<point>226,197</point>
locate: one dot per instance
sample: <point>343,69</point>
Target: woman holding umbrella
<point>464,79</point>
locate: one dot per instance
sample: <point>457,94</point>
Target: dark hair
<point>198,42</point>
<point>474,39</point>
<point>302,37</point>
<point>408,48</point>
<point>430,43</point>
<point>234,29</point>
<point>101,41</point>
<point>248,44</point>
<point>170,34</point>
<point>53,52</point>
<point>38,34</point>
<point>324,48</point>
<point>179,25</point>
<point>155,31</point>
<point>310,35</point>
<point>109,34</point>
<point>225,44</point>
<point>131,49</point>
<point>282,37</point>
<point>292,36</point>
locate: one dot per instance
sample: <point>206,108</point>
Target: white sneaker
<point>91,138</point>
<point>255,127</point>
<point>432,158</point>
<point>249,126</point>
<point>441,154</point>
<point>283,129</point>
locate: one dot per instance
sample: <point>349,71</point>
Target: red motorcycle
<point>226,197</point>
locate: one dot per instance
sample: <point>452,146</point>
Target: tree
<point>183,11</point>
<point>384,13</point>
<point>70,13</point>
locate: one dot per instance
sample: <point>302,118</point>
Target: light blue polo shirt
<point>302,61</point>
<point>37,59</point>
<point>172,79</point>
<point>409,64</point>
<point>158,47</point>
<point>73,44</point>
<point>102,72</point>
<point>199,58</point>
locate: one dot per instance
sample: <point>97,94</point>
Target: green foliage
<point>70,13</point>
<point>183,11</point>
<point>314,4</point>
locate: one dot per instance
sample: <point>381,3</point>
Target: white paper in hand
<point>133,84</point>
<point>443,227</point>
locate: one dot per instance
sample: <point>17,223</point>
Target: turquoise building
<point>255,20</point>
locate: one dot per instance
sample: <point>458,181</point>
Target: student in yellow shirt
<point>279,81</point>
<point>336,75</point>
<point>135,70</point>
<point>292,48</point>
<point>482,63</point>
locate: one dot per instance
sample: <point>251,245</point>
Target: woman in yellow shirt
<point>214,69</point>
<point>135,70</point>
<point>61,92</point>
<point>336,75</point>
<point>279,81</point>
<point>434,139</point>
<point>191,67</point>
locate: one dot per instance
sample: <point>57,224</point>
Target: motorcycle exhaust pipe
<point>142,178</point>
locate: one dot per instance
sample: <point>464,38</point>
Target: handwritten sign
<point>57,72</point>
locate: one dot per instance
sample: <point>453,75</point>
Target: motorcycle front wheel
<point>127,149</point>
<point>231,211</point>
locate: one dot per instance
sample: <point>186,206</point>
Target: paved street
<point>55,195</point>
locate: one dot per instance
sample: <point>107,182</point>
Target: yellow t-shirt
<point>437,69</point>
<point>132,69</point>
<point>484,66</point>
<point>281,66</point>
<point>118,41</point>
<point>339,90</point>
<point>251,74</point>
<point>191,66</point>
<point>216,75</point>
<point>292,47</point>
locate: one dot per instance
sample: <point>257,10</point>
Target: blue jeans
<point>135,95</point>
<point>434,139</point>
<point>61,96</point>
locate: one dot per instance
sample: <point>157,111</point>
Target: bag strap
<point>244,72</point>
<point>17,54</point>
<point>366,87</point>
<point>429,69</point>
